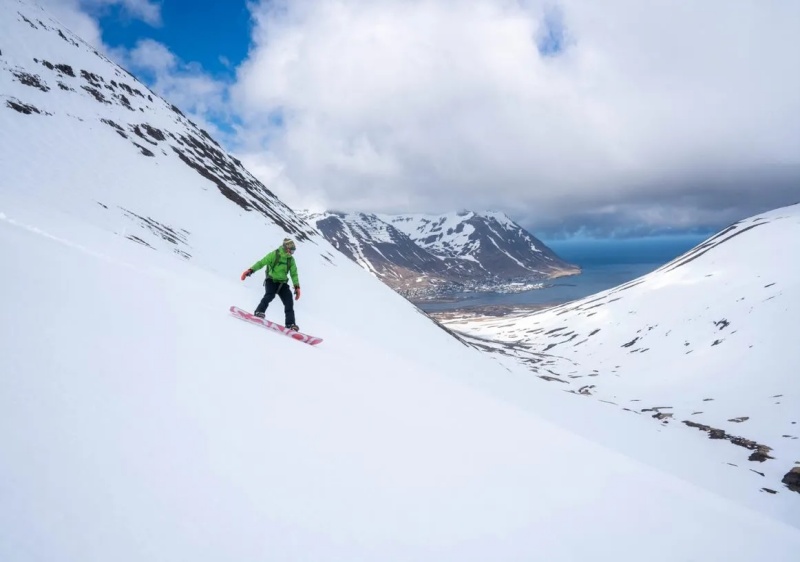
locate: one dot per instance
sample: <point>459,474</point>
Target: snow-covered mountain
<point>423,255</point>
<point>140,421</point>
<point>384,251</point>
<point>58,85</point>
<point>707,343</point>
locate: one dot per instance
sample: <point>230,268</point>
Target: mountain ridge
<point>429,256</point>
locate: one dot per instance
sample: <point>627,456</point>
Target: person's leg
<point>269,294</point>
<point>288,304</point>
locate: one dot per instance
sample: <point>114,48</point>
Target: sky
<point>623,119</point>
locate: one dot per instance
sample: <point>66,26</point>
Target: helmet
<point>289,246</point>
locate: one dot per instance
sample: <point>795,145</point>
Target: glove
<point>296,293</point>
<point>247,273</point>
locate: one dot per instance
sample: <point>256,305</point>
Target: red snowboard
<point>244,315</point>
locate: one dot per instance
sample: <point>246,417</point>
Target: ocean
<point>604,263</point>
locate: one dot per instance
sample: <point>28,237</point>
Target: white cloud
<point>186,85</point>
<point>433,105</point>
<point>69,13</point>
<point>80,16</point>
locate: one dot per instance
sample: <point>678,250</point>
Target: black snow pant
<point>284,292</point>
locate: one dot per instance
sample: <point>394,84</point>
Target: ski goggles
<point>290,248</point>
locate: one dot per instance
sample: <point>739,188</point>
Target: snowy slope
<point>707,341</point>
<point>62,99</point>
<point>139,421</point>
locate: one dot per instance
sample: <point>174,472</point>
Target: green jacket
<point>279,266</point>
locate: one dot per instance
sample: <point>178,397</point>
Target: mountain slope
<point>706,341</point>
<point>383,250</point>
<point>423,255</point>
<point>55,84</point>
<point>148,427</point>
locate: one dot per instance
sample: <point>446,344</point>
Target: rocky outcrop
<point>792,479</point>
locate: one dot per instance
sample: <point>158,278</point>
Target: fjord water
<point>605,263</point>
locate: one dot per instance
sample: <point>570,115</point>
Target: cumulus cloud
<point>185,84</point>
<point>660,113</point>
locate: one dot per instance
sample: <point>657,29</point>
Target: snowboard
<point>244,315</point>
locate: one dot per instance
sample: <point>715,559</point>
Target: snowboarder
<point>280,265</point>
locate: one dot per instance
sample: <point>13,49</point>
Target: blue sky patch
<point>551,39</point>
<point>213,33</point>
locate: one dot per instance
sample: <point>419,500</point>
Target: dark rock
<point>760,453</point>
<point>177,237</point>
<point>32,80</point>
<point>153,132</point>
<point>97,94</point>
<point>65,38</point>
<point>131,91</point>
<point>92,78</point>
<point>143,150</point>
<point>138,130</point>
<point>25,108</point>
<point>759,456</point>
<point>126,103</point>
<point>28,21</point>
<point>66,69</point>
<point>792,479</point>
<point>116,127</point>
<point>139,241</point>
<point>549,378</point>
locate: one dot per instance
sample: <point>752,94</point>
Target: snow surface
<point>450,240</point>
<point>140,421</point>
<point>709,338</point>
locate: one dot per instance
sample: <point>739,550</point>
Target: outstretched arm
<point>263,261</point>
<point>256,266</point>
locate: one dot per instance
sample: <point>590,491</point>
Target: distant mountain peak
<point>463,249</point>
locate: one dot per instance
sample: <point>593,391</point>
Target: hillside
<point>705,342</point>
